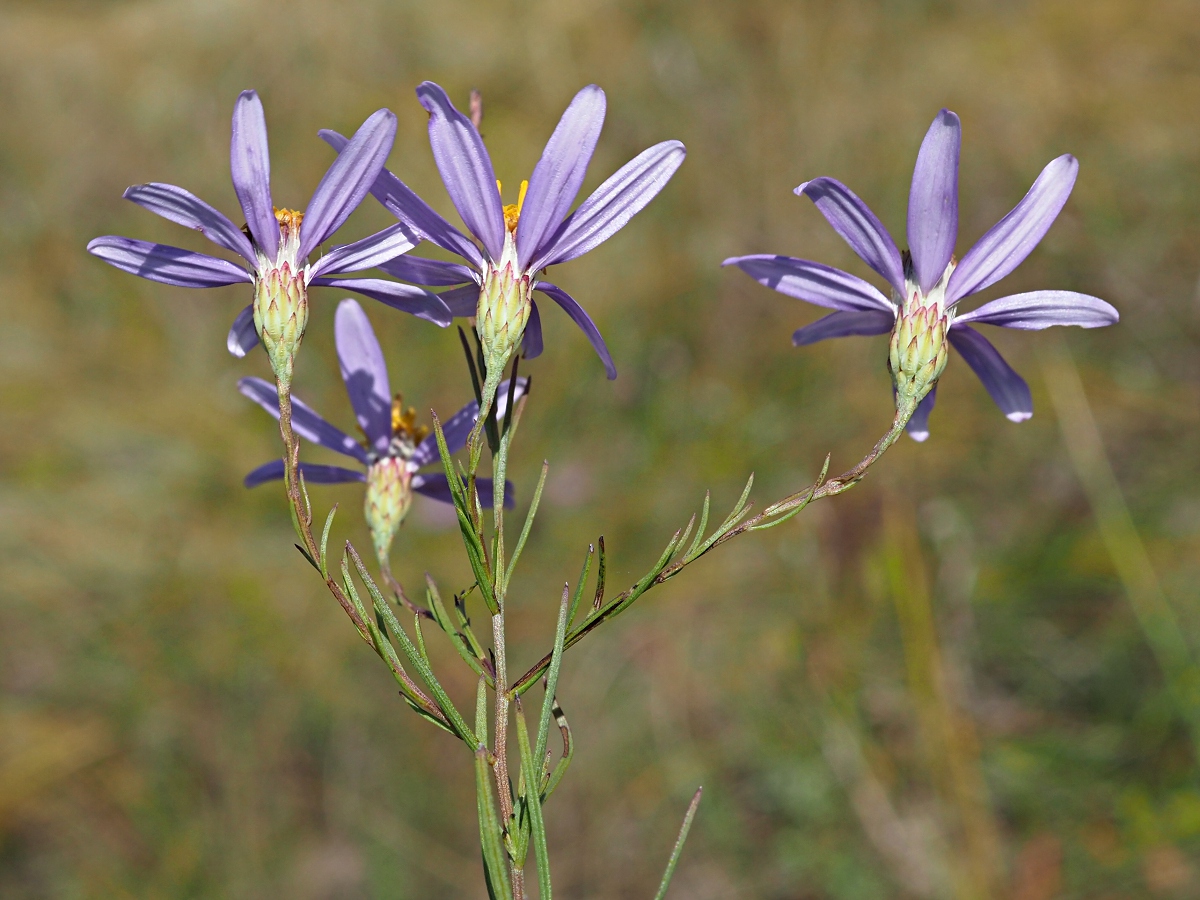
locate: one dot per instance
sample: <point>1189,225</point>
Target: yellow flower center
<point>512,211</point>
<point>404,422</point>
<point>289,222</point>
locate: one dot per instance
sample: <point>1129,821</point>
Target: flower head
<point>395,447</point>
<point>276,243</point>
<point>514,244</point>
<point>927,282</point>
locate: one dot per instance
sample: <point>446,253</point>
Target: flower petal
<point>1041,309</point>
<point>431,272</point>
<point>583,320</point>
<point>458,427</point>
<point>463,302</point>
<point>405,297</point>
<point>844,323</point>
<point>1006,387</point>
<point>243,337</point>
<point>613,204</point>
<point>313,474</point>
<point>812,282</point>
<point>170,265</point>
<point>933,200</point>
<point>465,167</point>
<point>348,180</point>
<point>403,203</point>
<point>531,343</point>
<point>364,372</point>
<point>858,226</point>
<point>1013,238</point>
<point>188,210</point>
<point>918,425</point>
<point>556,179</point>
<point>437,487</point>
<point>306,423</point>
<point>250,168</point>
<point>372,251</point>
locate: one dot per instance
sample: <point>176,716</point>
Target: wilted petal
<point>613,204</point>
<point>1013,238</point>
<point>369,252</point>
<point>559,173</point>
<point>531,342</point>
<point>933,200</point>
<point>184,208</point>
<point>313,474</point>
<point>170,265</point>
<point>305,421</point>
<point>430,272</point>
<point>812,282</point>
<point>844,324</point>
<point>348,180</point>
<point>365,373</point>
<point>243,337</point>
<point>858,226</point>
<point>437,487</point>
<point>465,167</point>
<point>918,425</point>
<point>463,302</point>
<point>1041,309</point>
<point>403,203</point>
<point>458,427</point>
<point>1006,387</point>
<point>405,297</point>
<point>250,168</point>
<point>583,320</point>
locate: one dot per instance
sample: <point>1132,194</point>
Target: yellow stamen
<point>288,218</point>
<point>512,212</point>
<point>404,422</point>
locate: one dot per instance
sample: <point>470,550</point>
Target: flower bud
<point>504,307</point>
<point>918,350</point>
<point>389,496</point>
<point>281,298</point>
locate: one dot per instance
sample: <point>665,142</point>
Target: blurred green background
<point>934,686</point>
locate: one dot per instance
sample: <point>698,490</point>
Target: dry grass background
<point>931,687</point>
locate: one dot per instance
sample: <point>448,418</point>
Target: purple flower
<point>927,282</point>
<point>514,244</point>
<point>276,243</point>
<point>395,448</point>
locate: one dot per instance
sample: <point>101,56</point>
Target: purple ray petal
<point>613,204</point>
<point>933,200</point>
<point>436,487</point>
<point>556,179</point>
<point>918,425</point>
<point>812,282</point>
<point>305,422</point>
<point>844,323</point>
<point>405,297</point>
<point>430,272</point>
<point>465,167</point>
<point>1006,387</point>
<point>348,180</point>
<point>188,210</point>
<point>1013,238</point>
<point>858,227</point>
<point>242,336</point>
<point>313,474</point>
<point>1041,309</point>
<point>463,302</point>
<point>531,343</point>
<point>458,427</point>
<point>170,265</point>
<point>369,252</point>
<point>403,203</point>
<point>583,320</point>
<point>250,167</point>
<point>365,373</point>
